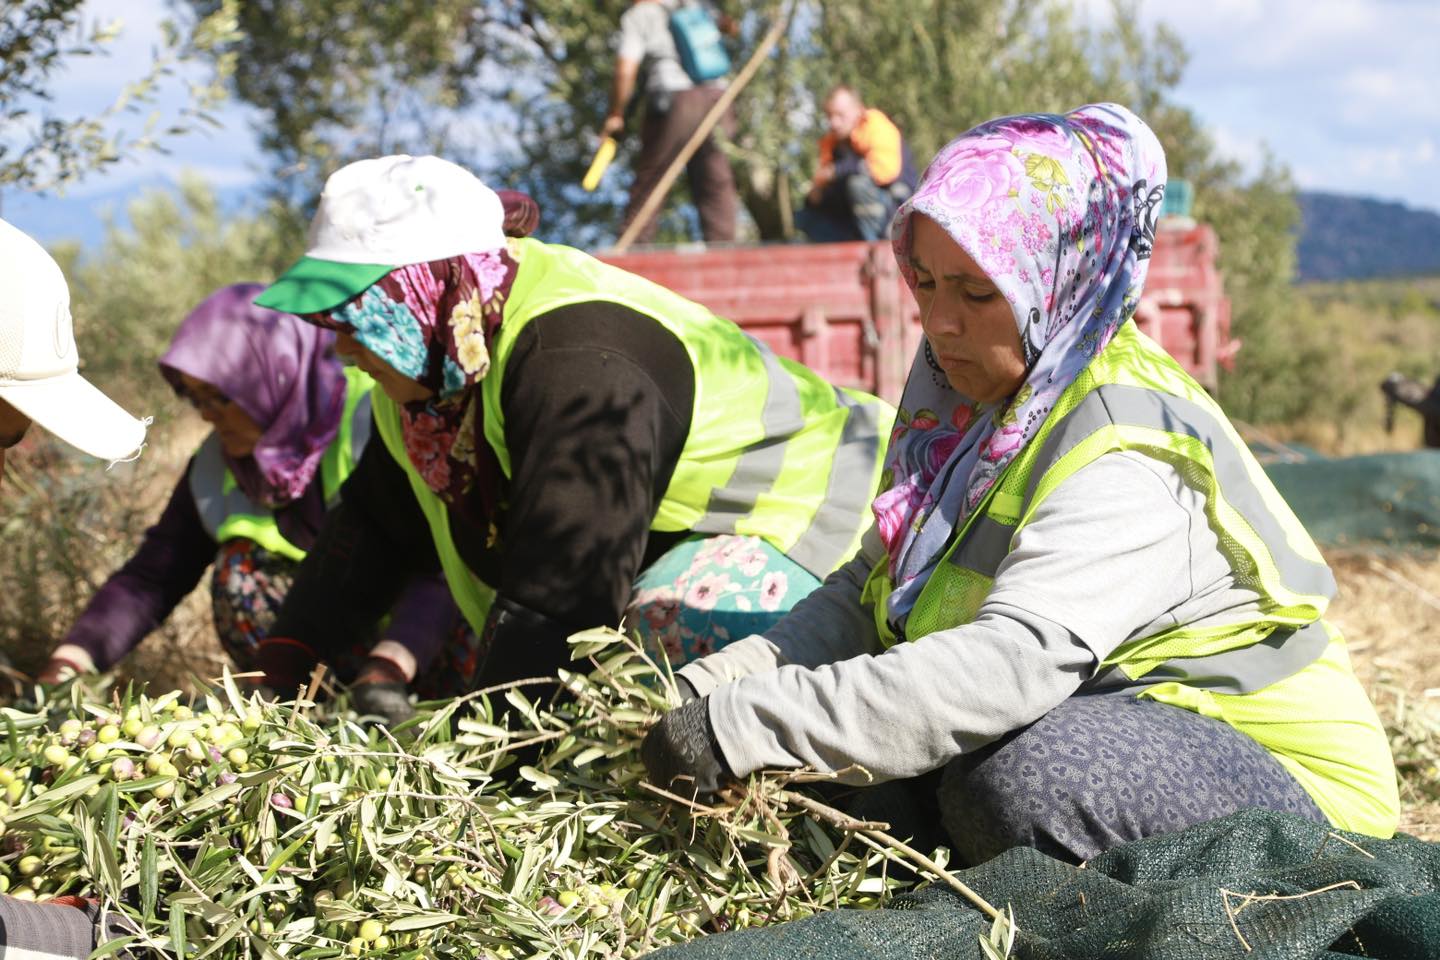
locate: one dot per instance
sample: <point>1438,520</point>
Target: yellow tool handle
<point>603,155</point>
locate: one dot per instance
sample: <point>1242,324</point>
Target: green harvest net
<point>1256,885</point>
<point>1388,498</point>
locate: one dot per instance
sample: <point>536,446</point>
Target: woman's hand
<point>681,752</point>
<point>57,671</point>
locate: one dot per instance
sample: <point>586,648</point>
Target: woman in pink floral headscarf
<point>1087,616</point>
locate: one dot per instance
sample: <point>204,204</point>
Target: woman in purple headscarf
<point>1087,616</point>
<point>289,423</point>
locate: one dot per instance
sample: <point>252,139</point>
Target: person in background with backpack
<point>865,173</point>
<point>677,45</point>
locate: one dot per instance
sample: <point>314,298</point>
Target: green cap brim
<point>314,286</point>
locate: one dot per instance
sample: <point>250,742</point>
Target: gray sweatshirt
<point>1122,549</point>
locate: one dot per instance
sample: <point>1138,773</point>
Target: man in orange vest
<point>865,173</point>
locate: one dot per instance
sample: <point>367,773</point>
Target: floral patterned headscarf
<point>434,323</point>
<point>1059,211</point>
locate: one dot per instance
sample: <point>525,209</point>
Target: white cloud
<point>1246,149</point>
<point>1344,92</point>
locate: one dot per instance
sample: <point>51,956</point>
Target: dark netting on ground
<point>1389,498</point>
<point>1256,885</point>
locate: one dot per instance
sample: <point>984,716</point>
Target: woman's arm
<point>373,541</point>
<point>596,402</point>
<point>1106,555</point>
<point>137,598</point>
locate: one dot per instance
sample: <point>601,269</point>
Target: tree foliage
<point>516,89</point>
<point>38,38</point>
<point>130,294</point>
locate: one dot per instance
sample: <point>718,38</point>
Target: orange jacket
<point>877,140</point>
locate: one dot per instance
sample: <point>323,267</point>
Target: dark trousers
<point>866,213</point>
<point>1093,773</point>
<point>712,185</point>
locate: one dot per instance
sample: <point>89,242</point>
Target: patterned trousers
<point>1093,773</point>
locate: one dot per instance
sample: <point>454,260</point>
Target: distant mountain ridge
<point>1357,238</point>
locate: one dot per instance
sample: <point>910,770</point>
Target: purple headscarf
<point>281,371</point>
<point>1059,211</point>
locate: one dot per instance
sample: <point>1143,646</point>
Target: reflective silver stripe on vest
<point>1243,670</point>
<point>1282,654</point>
<point>1128,406</point>
<point>760,464</point>
<point>830,538</point>
<point>207,483</point>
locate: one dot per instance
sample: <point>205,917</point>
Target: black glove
<point>681,752</point>
<point>518,643</point>
<point>382,691</point>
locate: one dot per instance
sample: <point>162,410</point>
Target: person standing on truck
<point>865,172</point>
<point>1088,617</point>
<point>676,102</point>
<point>581,443</point>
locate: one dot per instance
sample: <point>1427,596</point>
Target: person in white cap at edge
<point>40,381</point>
<point>39,366</point>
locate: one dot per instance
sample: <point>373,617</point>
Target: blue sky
<point>1346,93</point>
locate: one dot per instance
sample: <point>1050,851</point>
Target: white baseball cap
<point>39,365</point>
<point>377,215</point>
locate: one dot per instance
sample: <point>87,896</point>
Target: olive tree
<point>38,38</point>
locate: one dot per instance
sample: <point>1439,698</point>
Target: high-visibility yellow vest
<point>228,514</point>
<point>773,450</point>
<point>1283,676</point>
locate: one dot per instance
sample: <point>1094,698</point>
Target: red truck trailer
<point>842,309</point>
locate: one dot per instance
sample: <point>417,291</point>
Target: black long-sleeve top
<point>597,403</point>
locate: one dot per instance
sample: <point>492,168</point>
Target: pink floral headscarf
<point>1060,212</point>
<point>434,323</point>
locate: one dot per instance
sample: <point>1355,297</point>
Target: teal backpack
<point>699,43</point>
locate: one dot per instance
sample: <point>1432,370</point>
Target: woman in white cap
<point>586,444</point>
<point>39,366</point>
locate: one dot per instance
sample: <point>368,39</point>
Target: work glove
<point>57,670</point>
<point>681,753</point>
<point>382,691</point>
<point>286,663</point>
